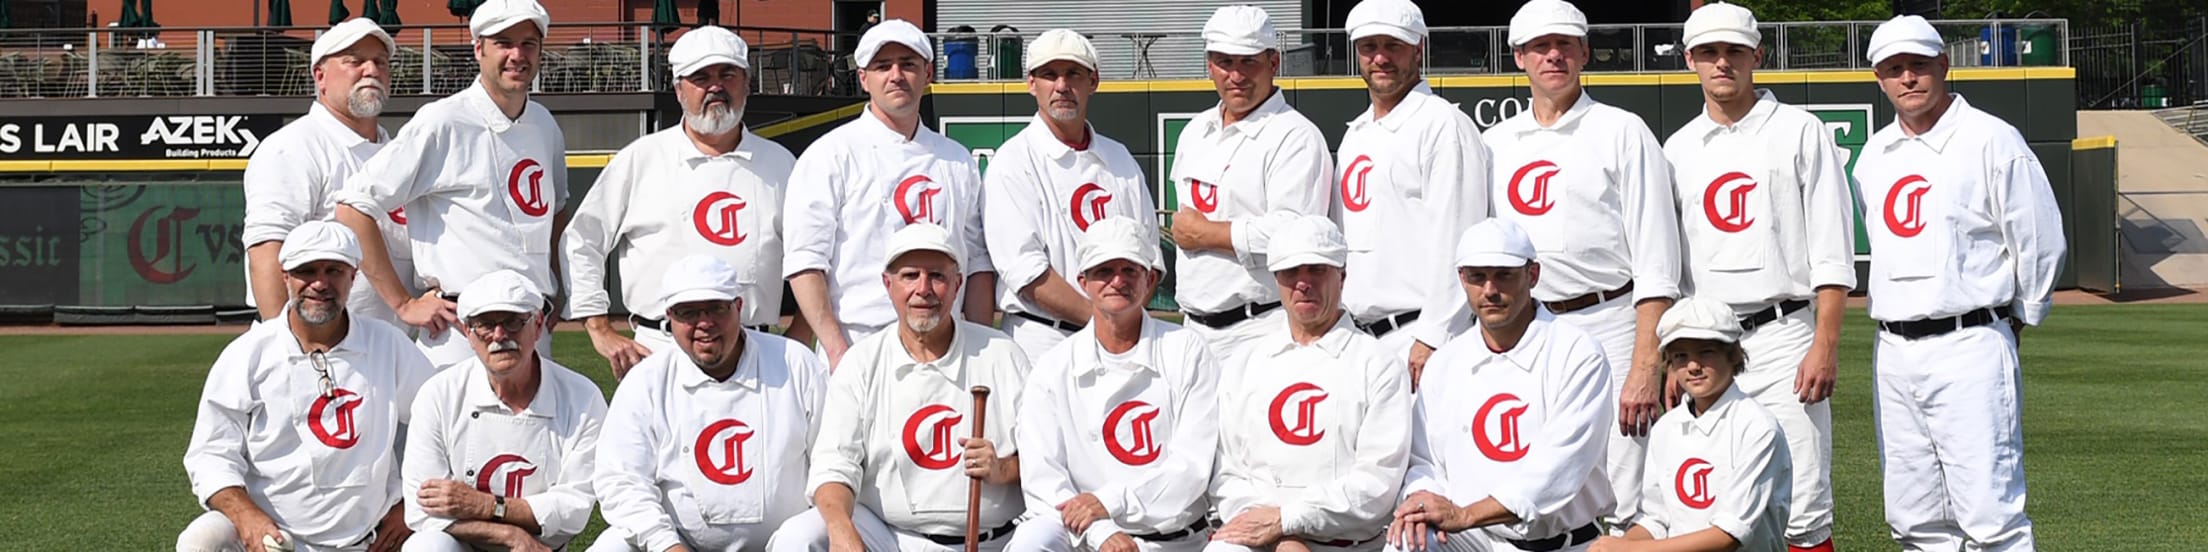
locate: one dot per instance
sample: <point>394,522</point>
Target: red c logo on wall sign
<point>1905,206</point>
<point>1734,217</point>
<point>1495,428</point>
<point>936,421</point>
<point>168,246</point>
<point>1353,184</point>
<point>715,218</point>
<point>530,199</point>
<point>1536,201</point>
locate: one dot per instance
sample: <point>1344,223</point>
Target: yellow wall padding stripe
<point>2093,142</point>
<point>805,122</point>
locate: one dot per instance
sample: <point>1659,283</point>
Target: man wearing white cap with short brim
<point>1241,170</point>
<point>1047,185</point>
<point>1413,175</point>
<point>1590,185</point>
<point>1512,421</point>
<point>297,438</point>
<point>1314,418</point>
<point>501,451</point>
<point>483,177</point>
<point>860,183</point>
<point>1139,484</point>
<point>706,442</point>
<point>1757,182</point>
<point>1966,241</point>
<point>706,187</point>
<point>295,172</point>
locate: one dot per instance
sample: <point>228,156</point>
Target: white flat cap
<point>1494,242</point>
<point>319,240</point>
<point>706,47</point>
<point>495,16</point>
<point>1240,31</point>
<point>1906,34</point>
<point>1060,44</point>
<point>502,291</point>
<point>1307,240</point>
<point>1725,23</point>
<point>698,278</point>
<point>1397,18</point>
<point>921,236</point>
<point>894,31</point>
<point>345,35</point>
<point>1698,318</point>
<point>1546,17</point>
<point>1119,238</point>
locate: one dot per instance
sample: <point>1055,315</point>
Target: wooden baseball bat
<point>973,485</point>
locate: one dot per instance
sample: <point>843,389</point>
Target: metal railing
<point>431,60</point>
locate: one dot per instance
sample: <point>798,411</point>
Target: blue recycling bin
<point>2007,44</point>
<point>958,59</point>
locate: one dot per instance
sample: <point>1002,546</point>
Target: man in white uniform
<point>1760,185</point>
<point>296,170</point>
<point>1315,419</point>
<point>706,449</point>
<point>707,187</point>
<point>1511,422</point>
<point>1046,186</point>
<point>297,440</point>
<point>1145,389</point>
<point>484,172</point>
<point>1590,184</point>
<point>1242,169</point>
<point>1413,176</point>
<point>502,445</point>
<point>864,180</point>
<point>886,467</point>
<point>1966,241</point>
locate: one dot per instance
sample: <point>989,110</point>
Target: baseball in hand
<point>272,544</point>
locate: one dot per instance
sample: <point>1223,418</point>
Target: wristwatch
<point>498,508</point>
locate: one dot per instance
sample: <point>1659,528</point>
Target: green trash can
<point>1007,51</point>
<point>2153,95</point>
<point>2038,47</point>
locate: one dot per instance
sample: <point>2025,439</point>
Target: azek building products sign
<point>135,137</point>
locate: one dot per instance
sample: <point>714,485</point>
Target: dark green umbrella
<point>371,10</point>
<point>279,13</point>
<point>462,8</point>
<point>6,19</point>
<point>338,12</point>
<point>664,16</point>
<point>145,13</point>
<point>130,17</point>
<point>388,17</point>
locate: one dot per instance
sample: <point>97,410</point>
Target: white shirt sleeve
<point>1296,184</point>
<point>215,458</point>
<point>627,474</point>
<point>1458,182</point>
<point>1758,470</point>
<point>1651,216</point>
<point>564,510</point>
<point>1367,493</point>
<point>2031,230</point>
<point>973,240</point>
<point>279,192</point>
<point>810,207</point>
<point>1825,200</point>
<point>427,459</point>
<point>1575,434</point>
<point>1171,487</point>
<point>592,233</point>
<point>1423,472</point>
<point>839,452</point>
<point>403,170</point>
<point>1011,203</point>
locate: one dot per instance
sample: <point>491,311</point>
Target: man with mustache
<point>1510,425</point>
<point>892,464</point>
<point>1413,176</point>
<point>1149,385</point>
<point>1241,169</point>
<point>503,444</point>
<point>295,172</point>
<point>865,180</point>
<point>1966,241</point>
<point>707,187</point>
<point>1760,185</point>
<point>1047,185</point>
<point>1588,182</point>
<point>483,174</point>
<point>1315,419</point>
<point>706,449</point>
<point>296,443</point>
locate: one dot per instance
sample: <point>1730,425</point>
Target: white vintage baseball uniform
<point>293,177</point>
<point>1763,211</point>
<point>1041,196</point>
<point>1594,192</point>
<point>891,433</point>
<point>480,192</point>
<point>1410,183</point>
<point>1322,431</point>
<point>543,453</point>
<point>1256,174</point>
<point>1961,218</point>
<point>661,199</point>
<point>1138,430</point>
<point>323,466</point>
<point>858,184</point>
<point>1527,427</point>
<point>714,465</point>
<point>1724,468</point>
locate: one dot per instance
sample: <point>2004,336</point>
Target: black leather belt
<point>1060,325</point>
<point>986,536</point>
<point>1588,300</point>
<point>1229,317</point>
<point>1920,329</point>
<point>1388,324</point>
<point>1770,314</point>
<point>1199,526</point>
<point>1584,533</point>
<point>664,327</point>
<point>1344,543</point>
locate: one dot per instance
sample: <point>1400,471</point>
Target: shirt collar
<point>1092,351</point>
<point>353,334</point>
<point>1941,133</point>
<point>480,395</point>
<point>1275,104</point>
<point>1048,144</point>
<point>1333,343</point>
<point>1571,116</point>
<point>321,115</point>
<point>688,151</point>
<point>479,98</point>
<point>1766,103</point>
<point>876,129</point>
<point>1404,110</point>
<point>691,377</point>
<point>1524,355</point>
<point>1716,415</point>
<point>951,365</point>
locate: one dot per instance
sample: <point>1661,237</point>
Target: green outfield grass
<point>92,430</point>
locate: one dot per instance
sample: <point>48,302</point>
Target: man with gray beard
<point>291,177</point>
<point>708,187</point>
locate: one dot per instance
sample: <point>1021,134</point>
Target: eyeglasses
<point>483,326</point>
<point>692,314</point>
<point>322,366</point>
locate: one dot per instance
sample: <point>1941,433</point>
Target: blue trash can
<point>958,59</point>
<point>2006,42</point>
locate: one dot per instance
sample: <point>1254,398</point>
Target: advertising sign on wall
<point>135,137</point>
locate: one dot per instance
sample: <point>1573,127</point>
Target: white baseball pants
<point>1374,545</point>
<point>1228,343</point>
<point>439,541</point>
<point>213,532</point>
<point>1046,532</point>
<point>1476,540</point>
<point>1775,352</point>
<point>1612,323</point>
<point>1951,440</point>
<point>809,533</point>
<point>748,538</point>
<point>1034,338</point>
